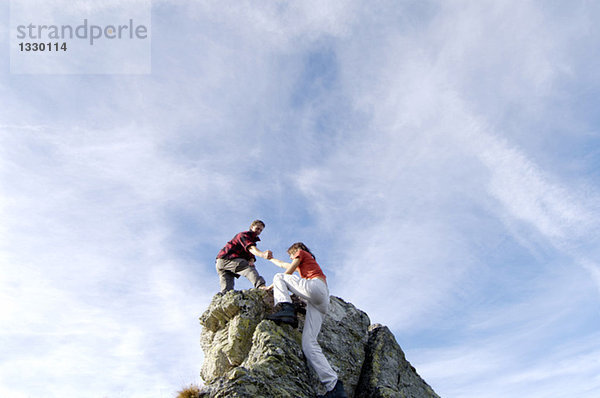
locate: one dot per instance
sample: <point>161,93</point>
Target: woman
<point>310,286</point>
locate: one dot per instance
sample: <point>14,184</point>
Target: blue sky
<point>440,158</point>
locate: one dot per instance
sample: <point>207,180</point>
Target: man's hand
<point>267,254</point>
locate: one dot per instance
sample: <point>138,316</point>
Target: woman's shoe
<point>337,392</point>
<point>287,315</point>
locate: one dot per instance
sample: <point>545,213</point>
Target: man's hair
<point>257,222</point>
<point>301,246</point>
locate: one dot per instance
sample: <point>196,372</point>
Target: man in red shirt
<point>238,257</point>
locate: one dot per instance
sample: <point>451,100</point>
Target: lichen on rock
<point>229,325</point>
<point>386,372</point>
<point>246,355</point>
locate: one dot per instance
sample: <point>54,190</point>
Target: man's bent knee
<point>260,282</point>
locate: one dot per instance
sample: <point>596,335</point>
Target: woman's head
<point>299,246</point>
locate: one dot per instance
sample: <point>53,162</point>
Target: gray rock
<point>246,355</point>
<point>228,326</point>
<point>386,372</point>
<point>343,339</point>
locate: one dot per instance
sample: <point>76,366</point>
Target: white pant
<point>316,295</point>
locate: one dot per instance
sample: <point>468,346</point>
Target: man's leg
<point>226,276</point>
<point>249,271</point>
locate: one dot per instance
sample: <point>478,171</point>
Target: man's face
<point>257,229</point>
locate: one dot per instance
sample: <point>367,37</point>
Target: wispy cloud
<point>495,369</point>
<point>407,145</point>
<point>88,280</point>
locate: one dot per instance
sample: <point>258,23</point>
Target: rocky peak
<point>249,356</point>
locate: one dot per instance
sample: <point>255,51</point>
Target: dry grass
<point>192,391</point>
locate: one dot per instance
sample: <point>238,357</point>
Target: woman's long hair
<point>302,246</point>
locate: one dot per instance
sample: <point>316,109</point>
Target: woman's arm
<point>293,266</point>
<point>279,263</point>
<point>289,267</point>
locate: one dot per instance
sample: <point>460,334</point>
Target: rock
<point>229,324</point>
<point>246,355</point>
<point>386,373</point>
<point>343,339</point>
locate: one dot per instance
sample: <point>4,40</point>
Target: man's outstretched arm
<point>267,254</point>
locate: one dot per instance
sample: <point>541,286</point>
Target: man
<point>238,257</point>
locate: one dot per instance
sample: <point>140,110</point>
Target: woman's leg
<point>283,284</point>
<point>316,294</point>
<point>312,350</point>
<point>281,293</point>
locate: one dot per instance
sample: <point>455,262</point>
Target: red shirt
<point>308,267</point>
<point>238,246</point>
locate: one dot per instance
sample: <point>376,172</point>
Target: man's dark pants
<point>228,270</point>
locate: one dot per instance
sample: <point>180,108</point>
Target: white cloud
<point>403,143</point>
<point>495,369</point>
<point>86,280</point>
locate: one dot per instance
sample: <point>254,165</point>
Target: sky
<point>440,158</point>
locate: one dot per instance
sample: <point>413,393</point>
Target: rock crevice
<point>246,355</point>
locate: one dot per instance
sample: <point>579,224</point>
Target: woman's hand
<point>279,263</point>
